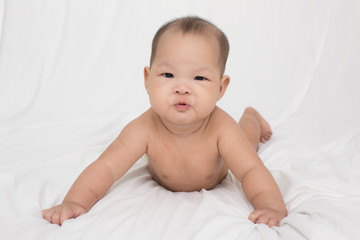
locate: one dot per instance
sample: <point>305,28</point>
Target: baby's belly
<point>188,180</point>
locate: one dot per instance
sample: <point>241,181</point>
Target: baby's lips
<point>181,103</point>
<point>182,106</point>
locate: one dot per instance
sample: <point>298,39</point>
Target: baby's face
<point>184,82</point>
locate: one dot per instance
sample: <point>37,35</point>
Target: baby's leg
<point>255,127</point>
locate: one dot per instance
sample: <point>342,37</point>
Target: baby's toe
<point>268,135</point>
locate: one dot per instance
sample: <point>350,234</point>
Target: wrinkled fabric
<point>71,77</point>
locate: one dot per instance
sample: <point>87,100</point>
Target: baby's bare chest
<point>187,152</point>
<point>185,164</point>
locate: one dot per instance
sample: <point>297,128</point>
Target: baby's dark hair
<point>194,24</point>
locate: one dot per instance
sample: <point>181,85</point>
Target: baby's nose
<point>182,89</point>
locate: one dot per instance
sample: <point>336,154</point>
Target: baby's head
<point>186,74</point>
<point>194,25</point>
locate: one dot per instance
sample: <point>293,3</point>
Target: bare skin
<point>252,123</point>
<point>190,142</point>
<point>256,128</point>
<point>191,169</point>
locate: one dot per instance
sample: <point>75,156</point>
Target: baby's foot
<point>265,128</point>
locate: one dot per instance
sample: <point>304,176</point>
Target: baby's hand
<point>268,216</point>
<point>62,212</point>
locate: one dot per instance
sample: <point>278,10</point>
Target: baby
<point>190,143</point>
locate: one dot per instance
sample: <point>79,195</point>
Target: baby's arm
<point>98,177</point>
<point>257,182</point>
<point>263,193</point>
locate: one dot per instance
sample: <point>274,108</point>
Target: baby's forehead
<point>179,37</point>
<point>179,34</point>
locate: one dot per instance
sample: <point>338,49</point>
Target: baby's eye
<point>200,78</point>
<point>168,75</point>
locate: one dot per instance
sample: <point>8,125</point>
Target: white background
<point>71,76</point>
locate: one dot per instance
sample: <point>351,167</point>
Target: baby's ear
<point>224,83</point>
<point>146,76</point>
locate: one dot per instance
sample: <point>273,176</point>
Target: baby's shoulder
<point>139,125</point>
<point>220,118</point>
<point>142,122</point>
<point>222,123</point>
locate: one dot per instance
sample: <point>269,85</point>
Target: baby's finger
<point>255,215</point>
<point>47,213</point>
<point>273,222</point>
<point>55,218</point>
<point>263,219</point>
<point>64,216</point>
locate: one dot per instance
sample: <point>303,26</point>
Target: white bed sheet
<point>71,78</point>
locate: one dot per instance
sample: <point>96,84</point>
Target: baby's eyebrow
<point>203,69</point>
<point>200,69</point>
<point>164,64</point>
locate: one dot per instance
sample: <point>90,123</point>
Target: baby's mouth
<point>182,106</point>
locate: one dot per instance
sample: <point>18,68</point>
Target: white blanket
<point>71,78</point>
